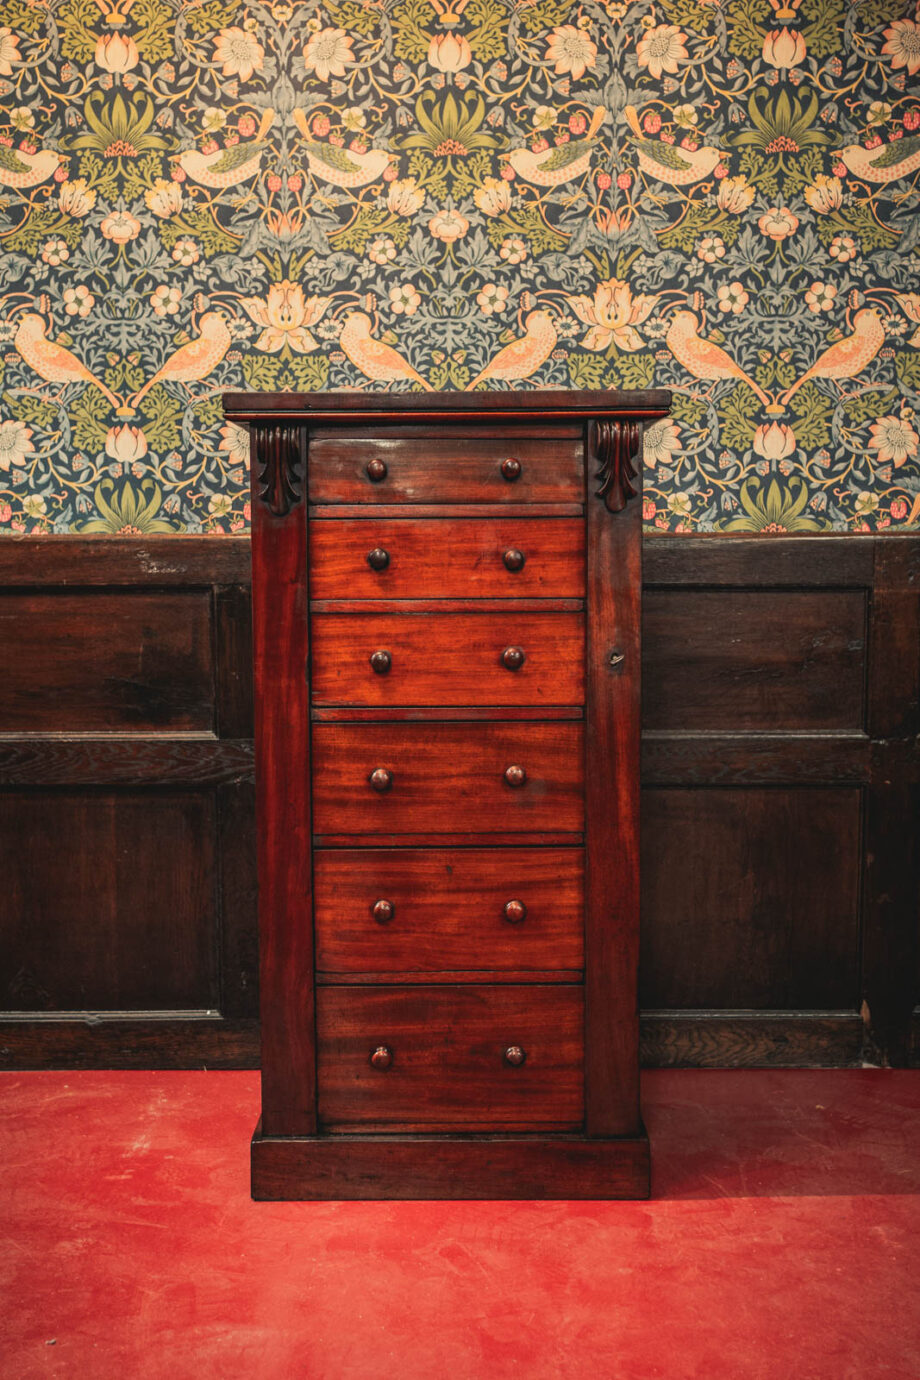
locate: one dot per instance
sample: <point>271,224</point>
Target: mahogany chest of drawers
<point>446,599</point>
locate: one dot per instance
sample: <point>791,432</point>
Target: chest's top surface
<point>546,404</point>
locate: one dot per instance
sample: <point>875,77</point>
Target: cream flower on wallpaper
<point>328,53</point>
<point>774,441</point>
<point>820,297</point>
<point>493,197</point>
<point>285,316</point>
<point>448,226</point>
<point>732,298</point>
<point>661,442</point>
<point>825,194</point>
<point>234,443</point>
<point>612,314</point>
<point>76,198</point>
<point>894,440</point>
<point>492,298</point>
<point>405,197</point>
<point>902,45</point>
<point>9,51</point>
<point>571,50</point>
<point>238,53</point>
<point>164,198</point>
<point>15,443</point>
<point>661,49</point>
<point>735,194</point>
<point>120,227</point>
<point>404,300</point>
<point>778,223</point>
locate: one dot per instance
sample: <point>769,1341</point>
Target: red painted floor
<point>782,1244</point>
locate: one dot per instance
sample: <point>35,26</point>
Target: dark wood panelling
<point>754,659</point>
<point>751,899</point>
<point>96,661</point>
<point>104,898</point>
<point>723,788</point>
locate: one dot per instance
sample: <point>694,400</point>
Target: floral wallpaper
<point>714,196</point>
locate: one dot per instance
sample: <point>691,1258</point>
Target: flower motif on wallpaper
<point>716,199</point>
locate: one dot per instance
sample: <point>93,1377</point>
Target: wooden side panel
<point>106,661</point>
<point>280,658</point>
<point>614,563</point>
<point>448,658</point>
<point>451,558</point>
<point>447,1068</point>
<point>751,899</point>
<point>755,659</point>
<point>104,894</point>
<point>448,778</point>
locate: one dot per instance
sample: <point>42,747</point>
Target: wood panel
<point>106,661</point>
<point>450,558</point>
<point>764,660</point>
<point>751,899</point>
<point>447,1058</point>
<point>104,898</point>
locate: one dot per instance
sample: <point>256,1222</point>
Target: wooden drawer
<point>447,658</point>
<point>443,910</point>
<point>447,778</point>
<point>446,465</point>
<point>448,1067</point>
<point>449,558</point>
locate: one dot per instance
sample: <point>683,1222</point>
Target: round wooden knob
<point>513,658</point>
<point>514,560</point>
<point>515,912</point>
<point>515,776</point>
<point>378,559</point>
<point>515,1056</point>
<point>383,912</point>
<point>381,779</point>
<point>382,1057</point>
<point>376,470</point>
<point>511,470</point>
<point>381,662</point>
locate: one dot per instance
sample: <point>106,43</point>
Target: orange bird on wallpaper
<point>375,359</point>
<point>847,357</point>
<point>52,362</point>
<point>886,163</point>
<point>550,167</point>
<point>18,169</point>
<point>678,167</point>
<point>704,359</point>
<point>195,359</point>
<point>230,166</point>
<point>523,356</point>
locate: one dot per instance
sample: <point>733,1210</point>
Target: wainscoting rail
<point>781,778</point>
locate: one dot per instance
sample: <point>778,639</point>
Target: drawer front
<point>446,466</point>
<point>433,910</point>
<point>447,558</point>
<point>448,778</point>
<point>443,1061</point>
<point>447,659</point>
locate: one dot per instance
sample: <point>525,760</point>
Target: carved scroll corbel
<point>615,446</point>
<point>279,455</point>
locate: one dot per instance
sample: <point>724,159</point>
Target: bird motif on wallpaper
<point>342,167</point>
<point>54,363</point>
<point>885,163</point>
<point>704,359</point>
<point>523,357</point>
<point>678,167</point>
<point>550,167</point>
<point>376,359</point>
<point>230,166</point>
<point>847,357</point>
<point>196,358</point>
<point>19,169</point>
